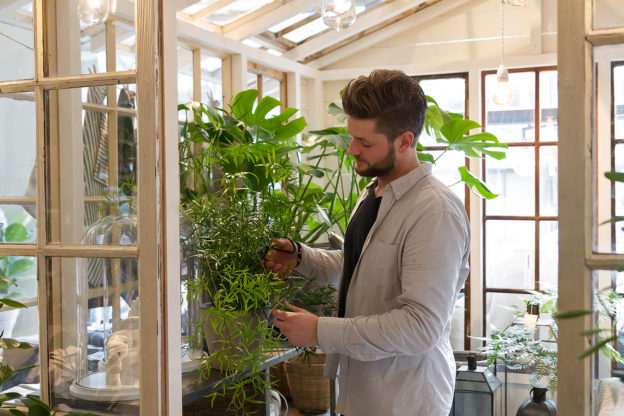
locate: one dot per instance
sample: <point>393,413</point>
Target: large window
<point>520,226</point>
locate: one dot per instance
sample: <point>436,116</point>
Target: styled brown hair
<point>394,100</point>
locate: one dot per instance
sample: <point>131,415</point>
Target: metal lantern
<point>477,391</point>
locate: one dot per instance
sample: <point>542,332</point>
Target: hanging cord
<point>502,19</point>
<point>16,41</point>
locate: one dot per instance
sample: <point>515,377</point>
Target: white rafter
<point>210,9</point>
<point>374,17</point>
<point>263,18</point>
<point>394,29</point>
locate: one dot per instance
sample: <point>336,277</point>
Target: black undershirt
<point>355,236</point>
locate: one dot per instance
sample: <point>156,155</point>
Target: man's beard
<point>380,168</point>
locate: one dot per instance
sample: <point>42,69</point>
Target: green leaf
<point>15,233</point>
<point>455,130</point>
<point>20,266</point>
<point>598,346</point>
<point>475,184</point>
<point>571,314</point>
<point>426,157</point>
<point>242,105</point>
<point>17,412</point>
<point>615,176</point>
<point>12,303</point>
<point>337,112</point>
<point>613,219</point>
<point>291,129</point>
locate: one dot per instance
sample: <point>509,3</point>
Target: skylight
<point>305,31</point>
<point>235,10</point>
<point>285,23</point>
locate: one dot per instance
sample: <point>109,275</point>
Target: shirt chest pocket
<point>377,282</point>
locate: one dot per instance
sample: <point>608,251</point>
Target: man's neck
<point>400,170</point>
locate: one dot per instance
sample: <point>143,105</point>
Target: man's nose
<point>353,151</point>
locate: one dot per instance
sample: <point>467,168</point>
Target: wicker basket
<point>278,374</point>
<point>308,388</point>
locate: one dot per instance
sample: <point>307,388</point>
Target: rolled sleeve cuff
<point>330,333</point>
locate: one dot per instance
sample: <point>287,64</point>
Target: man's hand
<point>299,326</point>
<point>282,257</point>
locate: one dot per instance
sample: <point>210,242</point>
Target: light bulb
<point>338,14</point>
<point>93,12</point>
<point>502,94</point>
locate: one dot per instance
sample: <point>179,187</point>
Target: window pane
<point>185,75</point>
<point>618,101</point>
<point>211,79</point>
<point>549,254</point>
<point>607,304</point>
<point>17,141</point>
<point>85,45</point>
<point>608,14</point>
<point>445,169</point>
<point>126,46</point>
<point>94,365</point>
<point>16,41</point>
<point>513,178</point>
<point>510,258</point>
<point>548,91</point>
<point>252,81</point>
<point>609,155</point>
<point>498,312</point>
<point>272,87</point>
<point>96,166</point>
<point>548,181</point>
<point>514,122</point>
<point>449,93</point>
<point>21,324</point>
<point>18,224</point>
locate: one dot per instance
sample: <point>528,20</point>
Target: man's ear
<point>404,141</point>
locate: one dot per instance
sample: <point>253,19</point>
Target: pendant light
<point>502,93</point>
<point>94,12</point>
<point>338,14</point>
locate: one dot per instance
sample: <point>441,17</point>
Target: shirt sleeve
<point>324,265</point>
<point>432,270</point>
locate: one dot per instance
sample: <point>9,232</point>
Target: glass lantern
<point>107,367</point>
<point>477,391</point>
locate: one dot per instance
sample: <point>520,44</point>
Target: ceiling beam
<point>260,20</point>
<point>210,9</point>
<point>425,15</point>
<point>368,32</point>
<point>297,25</point>
<point>363,22</point>
<point>281,44</point>
<point>190,32</point>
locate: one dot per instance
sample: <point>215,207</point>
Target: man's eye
<point>366,145</point>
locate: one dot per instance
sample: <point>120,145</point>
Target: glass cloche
<point>107,367</point>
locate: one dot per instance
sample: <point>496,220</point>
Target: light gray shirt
<point>393,344</point>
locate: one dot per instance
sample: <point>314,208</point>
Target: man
<point>404,261</point>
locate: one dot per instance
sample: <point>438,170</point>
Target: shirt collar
<point>401,185</point>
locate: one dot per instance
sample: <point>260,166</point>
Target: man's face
<point>374,154</point>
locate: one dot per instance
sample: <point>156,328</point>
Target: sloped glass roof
<point>236,10</point>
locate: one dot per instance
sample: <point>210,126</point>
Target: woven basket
<point>278,374</point>
<point>308,388</point>
<point>205,407</point>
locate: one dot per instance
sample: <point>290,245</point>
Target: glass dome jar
<point>107,367</point>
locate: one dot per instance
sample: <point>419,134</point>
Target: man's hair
<point>394,100</point>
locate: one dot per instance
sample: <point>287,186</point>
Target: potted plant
<point>239,189</point>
